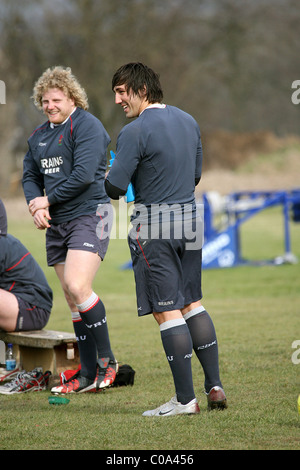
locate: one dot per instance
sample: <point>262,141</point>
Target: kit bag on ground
<point>125,376</point>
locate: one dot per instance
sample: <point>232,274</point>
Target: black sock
<point>86,346</point>
<point>205,345</point>
<point>92,312</point>
<point>178,347</point>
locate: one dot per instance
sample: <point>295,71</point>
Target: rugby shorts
<point>167,275</point>
<point>31,317</point>
<point>86,233</point>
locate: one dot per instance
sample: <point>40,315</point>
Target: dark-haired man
<point>160,153</point>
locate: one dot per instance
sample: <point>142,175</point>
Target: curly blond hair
<point>62,78</point>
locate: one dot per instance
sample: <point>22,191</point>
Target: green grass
<point>256,315</point>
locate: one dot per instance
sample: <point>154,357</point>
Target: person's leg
<point>9,311</point>
<point>80,270</point>
<point>201,327</point>
<point>177,344</point>
<point>178,347</point>
<point>205,345</point>
<point>158,280</point>
<point>86,343</point>
<point>65,242</point>
<point>204,342</point>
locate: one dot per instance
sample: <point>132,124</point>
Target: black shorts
<point>167,275</point>
<point>31,317</point>
<point>86,233</point>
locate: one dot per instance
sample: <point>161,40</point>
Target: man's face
<point>131,103</point>
<point>56,105</point>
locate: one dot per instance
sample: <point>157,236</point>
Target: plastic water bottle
<point>10,359</point>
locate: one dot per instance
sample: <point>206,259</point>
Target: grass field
<point>256,315</point>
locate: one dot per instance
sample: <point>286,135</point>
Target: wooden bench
<point>48,349</point>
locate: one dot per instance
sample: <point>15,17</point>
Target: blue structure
<point>222,248</point>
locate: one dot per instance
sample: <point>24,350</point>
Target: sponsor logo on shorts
<point>168,302</point>
<point>90,245</point>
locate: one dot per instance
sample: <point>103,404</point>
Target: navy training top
<point>21,275</point>
<point>69,162</point>
<point>160,152</point>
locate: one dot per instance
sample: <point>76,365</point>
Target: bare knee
<point>77,291</point>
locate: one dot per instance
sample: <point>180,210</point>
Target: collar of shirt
<point>154,105</point>
<point>52,125</point>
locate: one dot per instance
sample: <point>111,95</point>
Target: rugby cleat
<point>71,380</point>
<point>173,407</point>
<point>216,399</point>
<point>106,373</point>
<point>77,384</point>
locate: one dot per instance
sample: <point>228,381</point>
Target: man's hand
<point>40,218</point>
<point>38,203</point>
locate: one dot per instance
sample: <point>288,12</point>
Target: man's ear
<point>143,92</point>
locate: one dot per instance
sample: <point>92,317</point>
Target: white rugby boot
<point>174,407</point>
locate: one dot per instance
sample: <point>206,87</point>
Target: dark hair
<point>135,76</point>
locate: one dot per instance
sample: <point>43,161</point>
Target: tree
<point>230,64</point>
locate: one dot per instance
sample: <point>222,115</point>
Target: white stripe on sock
<point>75,316</point>
<point>171,324</point>
<point>89,303</point>
<point>193,312</point>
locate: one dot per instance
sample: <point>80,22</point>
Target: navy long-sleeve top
<point>161,154</point>
<point>67,162</point>
<point>21,275</point>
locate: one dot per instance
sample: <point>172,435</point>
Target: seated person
<point>25,296</point>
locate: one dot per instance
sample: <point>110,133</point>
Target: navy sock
<point>178,347</point>
<point>205,345</point>
<point>92,312</point>
<point>86,346</point>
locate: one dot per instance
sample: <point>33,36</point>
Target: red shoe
<point>216,399</point>
<point>6,375</point>
<point>27,382</point>
<point>78,384</point>
<point>68,375</point>
<point>106,372</point>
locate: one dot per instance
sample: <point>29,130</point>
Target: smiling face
<point>56,105</point>
<point>131,103</point>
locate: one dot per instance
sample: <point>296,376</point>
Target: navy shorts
<point>31,317</point>
<point>86,233</point>
<point>167,275</point>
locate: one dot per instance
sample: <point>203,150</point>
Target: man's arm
<point>32,183</point>
<point>199,158</point>
<point>113,191</point>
